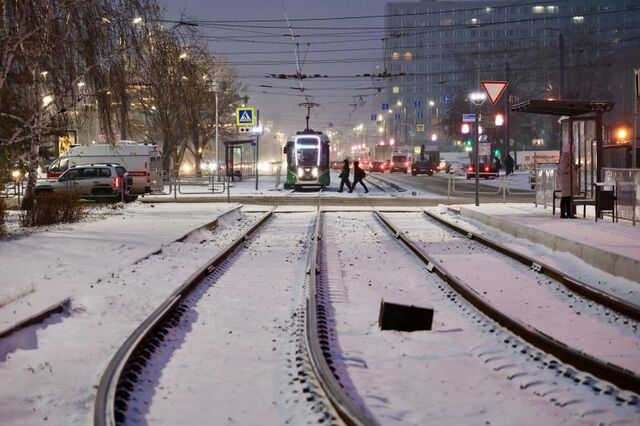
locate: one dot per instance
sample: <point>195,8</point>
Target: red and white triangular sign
<point>494,89</point>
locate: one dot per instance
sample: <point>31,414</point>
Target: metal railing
<point>504,186</point>
<point>627,189</point>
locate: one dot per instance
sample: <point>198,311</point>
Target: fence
<point>627,184</point>
<point>505,186</point>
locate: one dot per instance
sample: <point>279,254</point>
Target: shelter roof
<point>566,108</point>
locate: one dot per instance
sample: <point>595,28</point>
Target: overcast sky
<point>279,105</point>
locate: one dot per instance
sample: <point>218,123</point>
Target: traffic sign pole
<point>477,161</point>
<point>257,146</point>
<point>636,105</point>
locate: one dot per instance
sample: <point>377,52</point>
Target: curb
<point>612,263</point>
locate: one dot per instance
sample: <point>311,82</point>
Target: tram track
<point>117,385</point>
<point>606,299</point>
<point>622,377</point>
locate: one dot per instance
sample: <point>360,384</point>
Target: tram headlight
<point>314,172</point>
<point>300,172</point>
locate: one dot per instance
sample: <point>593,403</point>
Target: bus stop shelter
<point>240,158</point>
<point>582,130</point>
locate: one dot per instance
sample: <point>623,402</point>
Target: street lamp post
<point>478,99</point>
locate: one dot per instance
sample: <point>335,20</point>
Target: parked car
<point>378,166</point>
<point>99,182</point>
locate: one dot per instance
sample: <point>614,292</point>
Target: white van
<point>143,162</point>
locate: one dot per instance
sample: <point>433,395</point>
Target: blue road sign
<point>417,104</point>
<point>373,117</point>
<point>446,110</point>
<point>385,106</point>
<point>419,114</point>
<point>330,124</point>
<point>245,116</point>
<point>396,116</point>
<point>446,99</point>
<point>468,118</point>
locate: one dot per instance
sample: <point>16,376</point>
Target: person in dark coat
<point>508,165</point>
<point>568,182</point>
<point>358,175</point>
<point>344,177</point>
<point>496,164</point>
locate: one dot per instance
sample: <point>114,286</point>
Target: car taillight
<point>486,169</point>
<point>115,182</point>
<point>470,168</point>
<point>406,164</point>
<point>392,164</point>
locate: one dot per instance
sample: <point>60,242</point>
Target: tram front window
<point>307,153</point>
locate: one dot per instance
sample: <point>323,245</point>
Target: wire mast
<point>308,106</point>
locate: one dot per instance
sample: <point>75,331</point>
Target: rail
<point>349,412</point>
<point>618,376</point>
<point>605,299</point>
<point>108,405</point>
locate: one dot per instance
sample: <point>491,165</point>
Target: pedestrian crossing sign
<point>245,116</point>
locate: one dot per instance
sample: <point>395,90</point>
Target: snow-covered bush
<point>49,209</point>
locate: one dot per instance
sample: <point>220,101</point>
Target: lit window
<point>474,21</point>
<point>396,89</point>
<point>408,56</point>
<point>578,19</point>
<point>446,22</point>
<point>395,56</point>
<point>552,9</point>
<point>537,9</point>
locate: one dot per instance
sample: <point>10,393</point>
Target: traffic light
<point>468,142</point>
<point>496,153</point>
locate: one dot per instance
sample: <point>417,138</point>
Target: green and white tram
<point>307,160</point>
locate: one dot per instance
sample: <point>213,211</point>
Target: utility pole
<point>561,43</point>
<point>507,107</point>
<point>257,145</point>
<point>636,107</point>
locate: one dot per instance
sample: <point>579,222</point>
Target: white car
<point>99,182</point>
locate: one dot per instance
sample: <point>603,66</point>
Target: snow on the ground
<point>566,262</point>
<point>502,281</point>
<point>49,371</point>
<point>464,371</point>
<point>232,358</point>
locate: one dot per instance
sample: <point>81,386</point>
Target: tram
<point>307,160</point>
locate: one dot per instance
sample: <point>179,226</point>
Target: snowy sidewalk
<point>611,247</point>
<point>44,267</point>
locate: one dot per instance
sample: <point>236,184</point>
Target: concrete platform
<point>611,247</point>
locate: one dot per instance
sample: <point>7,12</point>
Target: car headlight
<point>314,172</point>
<point>300,172</point>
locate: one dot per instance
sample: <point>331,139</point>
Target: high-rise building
<point>569,49</point>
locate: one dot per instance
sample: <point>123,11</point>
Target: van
<point>143,162</point>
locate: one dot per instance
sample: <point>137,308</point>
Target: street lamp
<point>478,98</point>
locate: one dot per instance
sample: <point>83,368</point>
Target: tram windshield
<point>307,152</point>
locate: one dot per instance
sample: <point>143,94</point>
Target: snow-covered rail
<point>554,326</point>
<point>119,377</point>
<point>247,347</point>
<point>604,298</point>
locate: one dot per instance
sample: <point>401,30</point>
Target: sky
<point>339,99</point>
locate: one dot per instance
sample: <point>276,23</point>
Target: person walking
<point>344,177</point>
<point>358,175</point>
<point>566,185</point>
<point>496,164</point>
<point>508,165</point>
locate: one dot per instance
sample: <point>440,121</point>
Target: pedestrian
<point>344,177</point>
<point>508,165</point>
<point>497,165</point>
<point>568,183</point>
<point>358,175</point>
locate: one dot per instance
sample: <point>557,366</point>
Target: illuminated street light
<point>392,141</point>
<point>478,98</point>
<point>16,175</point>
<point>465,128</point>
<point>431,103</point>
<point>399,103</point>
<point>499,120</point>
<point>137,20</point>
<point>434,137</point>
